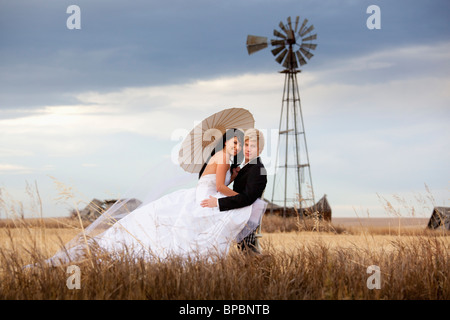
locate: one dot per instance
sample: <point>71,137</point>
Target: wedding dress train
<point>175,225</point>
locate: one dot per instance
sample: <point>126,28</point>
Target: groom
<point>249,183</point>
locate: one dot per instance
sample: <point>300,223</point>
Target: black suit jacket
<point>249,183</point>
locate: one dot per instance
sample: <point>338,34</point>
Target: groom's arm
<point>256,183</point>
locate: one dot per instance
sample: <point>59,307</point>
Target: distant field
<point>346,222</point>
<point>381,222</point>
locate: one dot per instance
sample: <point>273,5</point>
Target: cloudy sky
<point>97,108</point>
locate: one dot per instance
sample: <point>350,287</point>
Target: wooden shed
<point>440,218</point>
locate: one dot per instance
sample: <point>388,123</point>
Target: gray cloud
<point>143,43</point>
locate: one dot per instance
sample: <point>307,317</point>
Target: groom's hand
<point>209,203</point>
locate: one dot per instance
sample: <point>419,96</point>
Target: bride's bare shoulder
<point>222,157</point>
<point>218,158</point>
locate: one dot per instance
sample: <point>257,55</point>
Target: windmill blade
<point>289,23</point>
<point>286,63</point>
<point>255,43</point>
<point>300,58</point>
<point>281,56</point>
<point>277,50</point>
<point>276,33</point>
<point>303,26</point>
<point>313,37</point>
<point>291,61</point>
<point>307,31</point>
<point>309,46</point>
<point>283,27</point>
<point>294,61</point>
<point>306,53</point>
<point>277,42</point>
<point>296,23</point>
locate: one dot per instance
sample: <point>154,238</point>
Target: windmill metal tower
<point>292,184</point>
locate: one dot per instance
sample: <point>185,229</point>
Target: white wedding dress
<point>175,225</point>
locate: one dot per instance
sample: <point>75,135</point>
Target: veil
<point>147,189</point>
<point>154,184</point>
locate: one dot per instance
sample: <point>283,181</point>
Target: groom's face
<point>250,150</point>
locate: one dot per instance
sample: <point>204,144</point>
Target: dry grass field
<point>300,260</point>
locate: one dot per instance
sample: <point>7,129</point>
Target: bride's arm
<point>221,172</point>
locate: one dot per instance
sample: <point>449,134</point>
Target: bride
<point>176,224</point>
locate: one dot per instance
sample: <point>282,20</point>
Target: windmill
<point>292,179</point>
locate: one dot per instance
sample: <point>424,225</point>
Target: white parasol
<point>198,144</point>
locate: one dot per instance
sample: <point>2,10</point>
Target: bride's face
<point>233,146</point>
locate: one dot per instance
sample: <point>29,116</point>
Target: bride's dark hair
<point>229,134</point>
